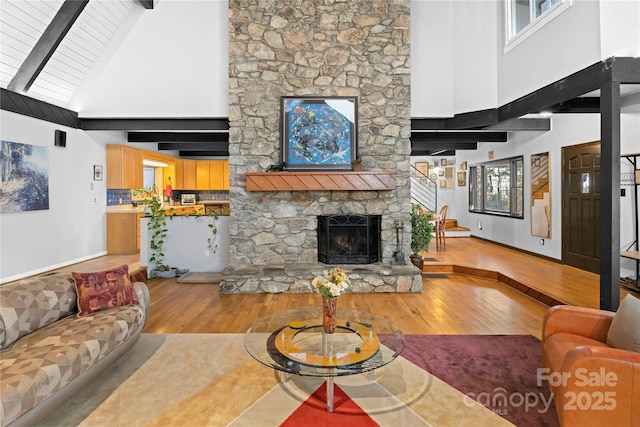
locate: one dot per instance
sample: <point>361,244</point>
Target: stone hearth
<point>316,48</point>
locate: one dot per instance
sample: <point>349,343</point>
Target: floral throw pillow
<point>103,289</point>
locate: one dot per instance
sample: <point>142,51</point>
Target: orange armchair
<point>592,384</point>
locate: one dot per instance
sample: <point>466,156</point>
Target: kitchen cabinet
<point>202,174</point>
<point>124,167</point>
<point>123,226</point>
<point>219,174</point>
<point>123,233</point>
<point>186,174</point>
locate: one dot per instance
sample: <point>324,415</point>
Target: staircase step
<point>452,229</point>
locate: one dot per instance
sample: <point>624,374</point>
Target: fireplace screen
<point>348,239</point>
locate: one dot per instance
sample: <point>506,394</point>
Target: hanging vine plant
<point>157,227</point>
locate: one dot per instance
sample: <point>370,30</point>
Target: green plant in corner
<point>421,230</point>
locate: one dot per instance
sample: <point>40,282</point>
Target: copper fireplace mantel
<point>321,181</point>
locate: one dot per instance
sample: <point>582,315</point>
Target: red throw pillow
<point>103,289</point>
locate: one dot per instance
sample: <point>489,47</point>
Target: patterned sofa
<point>48,352</point>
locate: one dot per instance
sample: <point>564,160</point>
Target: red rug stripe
<point>313,412</point>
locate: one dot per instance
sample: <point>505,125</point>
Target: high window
<point>496,187</point>
<point>524,16</point>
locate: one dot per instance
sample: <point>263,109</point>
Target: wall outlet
<point>542,242</point>
<point>207,252</point>
<point>479,225</point>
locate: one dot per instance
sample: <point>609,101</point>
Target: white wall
<point>475,82</point>
<point>173,63</point>
<point>619,28</point>
<point>431,58</point>
<point>453,57</point>
<point>73,228</point>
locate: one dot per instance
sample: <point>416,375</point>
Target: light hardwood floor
<point>448,304</point>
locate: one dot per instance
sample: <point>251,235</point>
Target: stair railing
<point>424,190</point>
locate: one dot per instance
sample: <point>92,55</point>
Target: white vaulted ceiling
<point>22,23</point>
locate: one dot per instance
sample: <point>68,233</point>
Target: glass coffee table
<point>294,342</point>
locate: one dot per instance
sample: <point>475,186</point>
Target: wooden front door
<point>581,206</point>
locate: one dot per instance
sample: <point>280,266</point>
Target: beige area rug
<point>194,277</point>
<point>210,380</point>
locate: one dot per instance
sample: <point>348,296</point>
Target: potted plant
<point>421,234</point>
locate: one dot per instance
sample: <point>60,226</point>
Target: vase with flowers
<point>333,283</point>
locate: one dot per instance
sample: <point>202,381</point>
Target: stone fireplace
<point>317,48</point>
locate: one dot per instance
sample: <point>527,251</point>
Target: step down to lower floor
<point>436,269</point>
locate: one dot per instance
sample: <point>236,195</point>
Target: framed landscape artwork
<point>319,133</point>
<point>24,171</point>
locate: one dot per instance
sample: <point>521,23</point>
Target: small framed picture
<point>448,172</point>
<point>433,176</point>
<point>422,169</point>
<point>443,162</point>
<point>97,172</point>
<point>463,166</point>
<point>637,176</point>
<point>443,183</point>
<point>451,162</point>
<point>462,179</point>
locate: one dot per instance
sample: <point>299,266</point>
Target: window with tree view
<point>496,187</point>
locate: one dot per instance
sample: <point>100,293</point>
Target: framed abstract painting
<point>319,133</point>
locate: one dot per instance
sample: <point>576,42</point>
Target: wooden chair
<point>440,226</point>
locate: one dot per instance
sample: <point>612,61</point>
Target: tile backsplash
<point>118,197</point>
<point>123,197</point>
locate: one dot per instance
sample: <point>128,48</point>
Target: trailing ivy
<point>157,227</point>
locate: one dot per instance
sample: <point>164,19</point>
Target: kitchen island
<point>187,244</point>
<point>123,225</point>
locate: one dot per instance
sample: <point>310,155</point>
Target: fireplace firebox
<point>349,239</point>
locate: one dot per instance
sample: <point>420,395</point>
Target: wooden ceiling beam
<point>148,124</point>
<point>453,136</point>
<point>203,153</point>
<point>541,124</point>
<point>46,45</point>
<point>179,137</point>
<point>31,107</point>
<point>194,146</point>
<point>449,145</point>
<point>147,4</point>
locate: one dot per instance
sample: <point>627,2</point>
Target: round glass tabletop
<point>293,341</point>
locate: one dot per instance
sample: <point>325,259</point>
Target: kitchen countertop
<point>214,202</point>
<point>129,209</point>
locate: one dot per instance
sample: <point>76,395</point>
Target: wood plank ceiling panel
<point>23,22</point>
<point>80,50</point>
